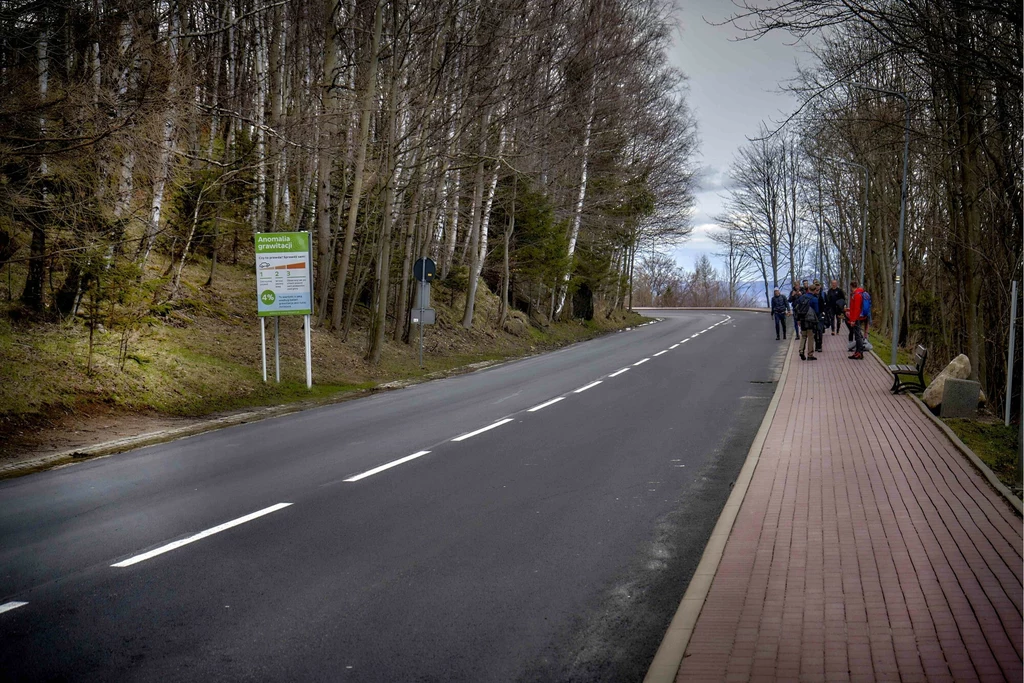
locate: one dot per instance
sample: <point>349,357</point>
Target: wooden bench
<point>917,370</point>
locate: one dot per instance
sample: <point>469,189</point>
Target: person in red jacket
<point>855,318</point>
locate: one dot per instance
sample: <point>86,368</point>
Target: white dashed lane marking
<point>619,372</point>
<point>198,537</point>
<point>483,429</point>
<point>660,352</point>
<point>641,362</point>
<point>589,386</point>
<point>8,606</point>
<point>387,466</point>
<point>545,405</point>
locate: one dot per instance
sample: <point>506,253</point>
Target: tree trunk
<point>481,254</point>
<point>577,215</point>
<point>380,313</point>
<point>365,114</point>
<point>163,172</point>
<point>325,240</point>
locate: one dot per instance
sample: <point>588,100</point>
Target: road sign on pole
<point>424,270</point>
<point>284,286</point>
<point>283,282</point>
<point>423,314</point>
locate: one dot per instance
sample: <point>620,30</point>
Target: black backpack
<point>801,308</point>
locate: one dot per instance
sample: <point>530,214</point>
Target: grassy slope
<point>986,435</point>
<point>204,355</point>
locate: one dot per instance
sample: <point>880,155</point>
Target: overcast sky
<point>734,85</point>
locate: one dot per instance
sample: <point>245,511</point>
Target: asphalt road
<point>554,546</point>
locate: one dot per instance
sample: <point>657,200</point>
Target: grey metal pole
<point>263,346</point>
<point>864,222</point>
<point>903,213</point>
<point>899,242</point>
<point>422,292</point>
<point>277,348</point>
<point>1009,353</point>
<point>309,355</point>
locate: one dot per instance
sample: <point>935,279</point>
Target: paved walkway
<point>867,547</point>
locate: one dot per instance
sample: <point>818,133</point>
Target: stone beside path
<point>867,547</point>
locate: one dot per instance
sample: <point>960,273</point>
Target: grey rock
<point>958,368</point>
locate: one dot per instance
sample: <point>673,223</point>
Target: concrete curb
<point>978,463</point>
<point>203,425</point>
<point>165,435</point>
<point>669,656</point>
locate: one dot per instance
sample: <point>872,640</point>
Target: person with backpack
<point>834,295</point>
<point>806,310</point>
<point>855,319</point>
<point>819,327</point>
<point>865,311</point>
<point>795,294</point>
<point>780,306</point>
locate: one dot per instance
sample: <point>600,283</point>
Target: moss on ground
<point>994,443</point>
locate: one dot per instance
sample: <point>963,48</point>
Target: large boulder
<point>958,368</point>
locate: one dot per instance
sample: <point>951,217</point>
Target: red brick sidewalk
<point>867,547</point>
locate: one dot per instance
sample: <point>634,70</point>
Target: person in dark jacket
<point>779,307</point>
<point>835,311</point>
<point>819,328</point>
<point>795,294</point>
<point>807,308</point>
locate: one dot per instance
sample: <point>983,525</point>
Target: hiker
<point>806,309</point>
<point>794,294</point>
<point>855,319</point>
<point>780,306</point>
<point>865,314</point>
<point>819,327</point>
<point>835,312</point>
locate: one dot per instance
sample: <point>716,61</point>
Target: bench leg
<point>895,384</point>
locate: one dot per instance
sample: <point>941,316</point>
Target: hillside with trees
<point>799,186</point>
<point>532,149</point>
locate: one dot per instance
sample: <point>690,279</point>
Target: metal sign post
<point>263,346</point>
<point>1010,353</point>
<point>424,270</point>
<point>277,349</point>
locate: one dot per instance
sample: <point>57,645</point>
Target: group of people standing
<point>815,310</point>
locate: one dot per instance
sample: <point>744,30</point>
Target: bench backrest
<point>920,356</point>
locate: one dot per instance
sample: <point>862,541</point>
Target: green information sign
<point>284,285</point>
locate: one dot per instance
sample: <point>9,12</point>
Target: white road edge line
<point>8,606</point>
<point>482,430</point>
<point>545,405</point>
<point>387,466</point>
<point>641,362</point>
<point>589,386</point>
<point>201,535</point>
<point>660,352</point>
<point>619,372</point>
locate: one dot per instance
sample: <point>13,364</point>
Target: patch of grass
<point>994,443</point>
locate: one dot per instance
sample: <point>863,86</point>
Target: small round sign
<point>424,270</point>
<point>268,297</point>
